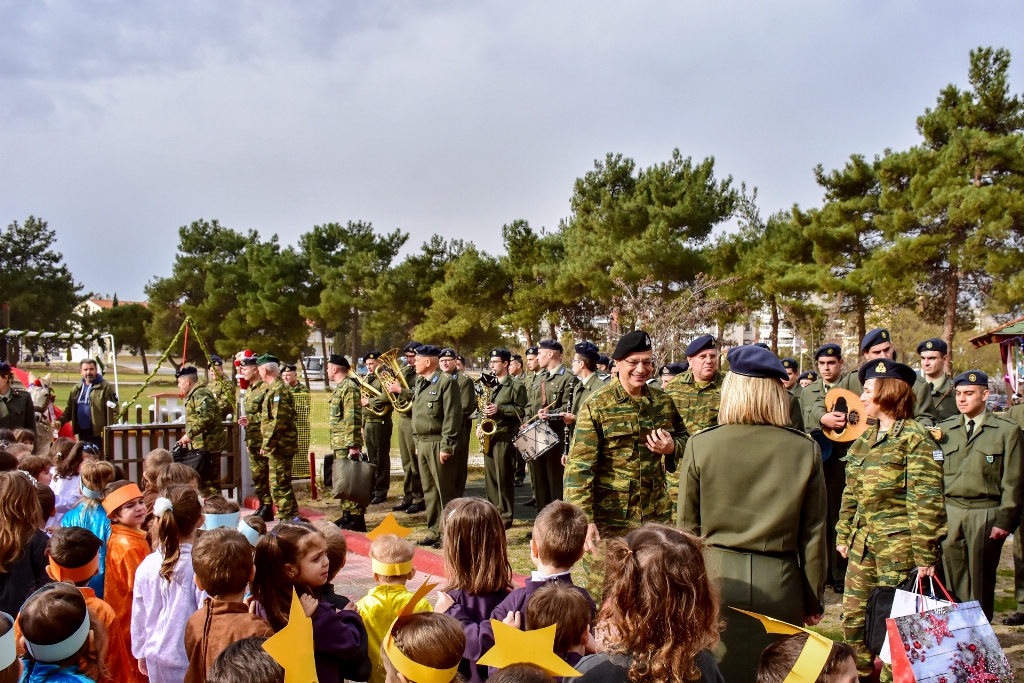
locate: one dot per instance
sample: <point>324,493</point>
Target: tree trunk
<point>323,350</point>
<point>862,314</point>
<point>529,338</point>
<point>949,319</point>
<point>145,363</point>
<point>355,336</point>
<point>775,325</point>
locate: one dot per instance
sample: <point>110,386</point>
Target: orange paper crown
<point>74,574</point>
<point>120,497</point>
<point>389,526</point>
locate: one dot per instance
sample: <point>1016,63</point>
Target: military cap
<point>830,350</point>
<point>933,344</point>
<point>216,360</point>
<point>186,370</point>
<point>672,369</point>
<point>552,344</point>
<point>755,361</point>
<point>633,342</point>
<point>339,360</point>
<point>705,341</point>
<point>516,356</point>
<point>532,351</point>
<point>288,367</point>
<point>461,358</point>
<point>411,347</point>
<point>447,353</point>
<point>973,377</point>
<point>250,361</point>
<point>428,350</point>
<point>603,360</point>
<point>5,369</point>
<point>877,336</point>
<point>883,367</point>
<point>501,354</point>
<point>267,358</point>
<point>762,345</point>
<point>810,374</point>
<point>586,349</point>
<point>789,363</point>
<point>371,355</point>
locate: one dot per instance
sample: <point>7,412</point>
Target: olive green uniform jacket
<point>204,423</point>
<point>550,389</point>
<point>437,410</point>
<point>17,410</point>
<point>944,399</point>
<point>381,404</point>
<point>510,397</point>
<point>103,392</point>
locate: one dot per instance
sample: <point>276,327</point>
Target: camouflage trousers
<point>281,484</point>
<point>259,465</point>
<point>211,482</point>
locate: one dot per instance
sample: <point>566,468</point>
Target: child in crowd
<point>295,556</point>
<point>337,550</point>
<point>245,661</point>
<point>165,594</point>
<point>779,658</point>
<point>47,505</point>
<point>25,436</point>
<point>8,462</point>
<point>89,513</point>
<point>559,534</point>
<point>428,639</point>
<point>660,612</point>
<point>151,465</point>
<point>22,541</point>
<point>19,450</point>
<point>222,560</point>
<point>391,559</point>
<point>64,644</point>
<point>572,613</point>
<point>68,456</point>
<point>38,467</point>
<point>254,528</point>
<point>479,575</point>
<point>126,549</point>
<point>176,473</point>
<point>220,512</point>
<point>74,557</point>
<point>521,673</point>
<point>10,667</point>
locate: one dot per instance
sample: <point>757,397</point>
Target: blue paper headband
<point>250,534</point>
<point>228,519</point>
<point>58,652</point>
<point>8,652</point>
<point>89,493</point>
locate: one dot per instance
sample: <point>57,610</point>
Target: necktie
<point>970,429</point>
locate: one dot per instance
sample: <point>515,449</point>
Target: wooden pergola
<point>1009,336</point>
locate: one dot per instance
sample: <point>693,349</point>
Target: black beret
<point>933,344</point>
<point>288,367</point>
<point>552,344</point>
<point>267,358</point>
<point>411,346</point>
<point>216,360</point>
<point>516,356</point>
<point>810,374</point>
<point>830,350</point>
<point>461,358</point>
<point>705,341</point>
<point>250,361</point>
<point>371,355</point>
<point>672,369</point>
<point>755,361</point>
<point>447,353</point>
<point>532,351</point>
<point>632,343</point>
<point>603,360</point>
<point>975,377</point>
<point>762,345</point>
<point>339,360</point>
<point>877,336</point>
<point>428,350</point>
<point>5,369</point>
<point>501,354</point>
<point>883,367</point>
<point>790,363</point>
<point>586,349</point>
<point>186,370</point>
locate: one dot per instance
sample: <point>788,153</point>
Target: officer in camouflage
<point>204,427</point>
<point>669,372</point>
<point>346,433</point>
<point>893,515</point>
<point>934,354</point>
<point>550,394</point>
<point>280,437</point>
<point>290,376</point>
<point>377,428</point>
<point>412,500</point>
<point>982,462</point>
<point>259,464</point>
<point>222,387</point>
<point>616,467</point>
<point>467,391</point>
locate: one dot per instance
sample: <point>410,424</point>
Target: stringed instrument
<point>857,422</point>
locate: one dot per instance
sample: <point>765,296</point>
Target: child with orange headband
<point>126,549</point>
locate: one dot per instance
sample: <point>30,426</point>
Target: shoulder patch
<point>436,377</point>
<point>561,371</point>
<point>938,456</point>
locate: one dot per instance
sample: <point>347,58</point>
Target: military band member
<point>516,369</point>
<point>550,394</point>
<point>345,424</point>
<point>807,377</point>
<point>222,386</point>
<point>436,421</point>
<point>584,366</point>
<point>1016,414</point>
<point>290,376</point>
<point>793,371</point>
<point>669,372</point>
<point>377,428</point>
<point>529,375</point>
<point>460,362</point>
<point>204,427</point>
<point>616,467</point>
<point>934,354</point>
<point>604,367</point>
<point>981,464</point>
<point>280,437</point>
<point>754,489</point>
<point>412,488</point>
<point>448,361</point>
<point>259,464</point>
<point>507,408</point>
<point>532,365</point>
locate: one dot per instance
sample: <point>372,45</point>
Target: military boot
<point>344,521</point>
<point>265,512</point>
<point>357,523</point>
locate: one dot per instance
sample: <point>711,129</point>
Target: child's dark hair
<point>53,614</point>
<point>68,454</point>
<point>177,523</point>
<point>778,659</point>
<point>659,607</point>
<point>475,549</point>
<point>21,515</point>
<point>176,473</point>
<point>73,546</point>
<point>222,560</point>
<point>337,546</point>
<point>8,462</point>
<point>245,661</point>
<point>565,606</point>
<point>12,672</point>
<point>35,465</point>
<point>27,436</point>
<point>272,586</point>
<point>219,505</point>
<point>521,673</point>
<point>428,638</point>
<point>257,523</point>
<point>6,435</point>
<point>560,532</point>
<point>47,501</point>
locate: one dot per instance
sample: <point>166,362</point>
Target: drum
<point>536,439</point>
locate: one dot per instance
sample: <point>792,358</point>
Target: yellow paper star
<point>512,646</point>
<point>812,658</point>
<point>292,646</point>
<point>389,526</point>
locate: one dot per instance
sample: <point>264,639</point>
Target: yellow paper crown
<point>389,526</point>
<point>537,647</point>
<point>414,671</point>
<point>292,646</point>
<point>812,658</point>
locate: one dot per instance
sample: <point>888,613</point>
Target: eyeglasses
<point>632,364</point>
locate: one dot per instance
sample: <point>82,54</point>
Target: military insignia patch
<point>937,455</point>
<point>884,335</point>
<point>928,345</point>
<point>990,458</point>
<point>935,432</point>
<point>880,367</point>
<point>830,351</point>
<point>972,377</point>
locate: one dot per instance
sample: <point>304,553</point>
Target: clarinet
<point>572,427</point>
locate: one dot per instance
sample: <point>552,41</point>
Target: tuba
<point>366,390</point>
<point>484,390</point>
<point>390,371</point>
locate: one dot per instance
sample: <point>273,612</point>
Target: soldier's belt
<point>778,555</point>
<point>427,437</point>
<point>973,503</point>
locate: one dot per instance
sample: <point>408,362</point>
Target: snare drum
<point>536,439</point>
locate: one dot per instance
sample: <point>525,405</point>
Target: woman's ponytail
<point>177,512</point>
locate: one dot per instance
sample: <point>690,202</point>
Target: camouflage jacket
<point>697,405</point>
<point>252,403</point>
<point>611,474</point>
<point>379,403</point>
<point>437,410</point>
<point>299,388</point>
<point>346,416</point>
<point>203,421</point>
<point>894,492</point>
<point>277,420</point>
<point>223,390</point>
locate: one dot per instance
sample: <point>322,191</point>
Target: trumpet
<point>484,391</point>
<point>368,391</point>
<point>390,371</point>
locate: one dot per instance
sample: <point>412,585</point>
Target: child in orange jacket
<point>127,547</point>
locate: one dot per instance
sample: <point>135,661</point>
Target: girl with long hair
<point>22,541</point>
<point>69,457</point>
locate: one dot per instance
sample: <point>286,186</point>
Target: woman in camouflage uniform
<point>893,515</point>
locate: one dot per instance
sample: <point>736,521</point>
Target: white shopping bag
<point>904,604</point>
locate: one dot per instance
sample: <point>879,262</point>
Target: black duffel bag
<point>196,458</point>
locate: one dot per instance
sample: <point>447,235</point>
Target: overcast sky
<point>121,121</point>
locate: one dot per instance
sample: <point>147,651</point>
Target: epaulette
<point>707,429</point>
<point>800,432</point>
<point>1002,416</point>
<point>935,432</point>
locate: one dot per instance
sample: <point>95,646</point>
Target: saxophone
<point>484,391</point>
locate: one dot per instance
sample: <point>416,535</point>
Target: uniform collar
<point>979,422</point>
<point>621,396</point>
<point>191,391</point>
<point>715,381</point>
<point>943,384</point>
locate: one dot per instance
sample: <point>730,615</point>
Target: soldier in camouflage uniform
<point>346,434</point>
<point>550,393</point>
<point>412,499</point>
<point>290,376</point>
<point>280,437</point>
<point>615,470</point>
<point>467,391</point>
<point>222,387</point>
<point>204,427</point>
<point>893,516</point>
<point>934,354</point>
<point>259,465</point>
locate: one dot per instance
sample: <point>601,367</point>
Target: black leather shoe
<point>377,500</point>
<point>839,587</point>
<point>428,541</point>
<point>413,509</point>
<point>532,503</point>
<point>357,523</point>
<point>344,521</point>
<point>436,545</point>
<point>401,507</point>
<point>1015,619</point>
